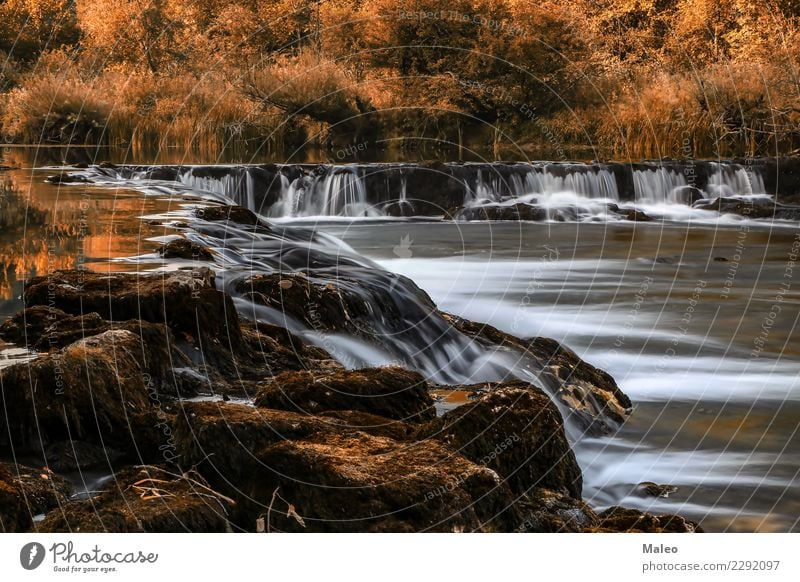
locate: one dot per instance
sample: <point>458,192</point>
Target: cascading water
<point>338,191</point>
<point>659,186</point>
<point>732,180</point>
<point>557,191</point>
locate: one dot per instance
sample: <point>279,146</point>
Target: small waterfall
<point>332,191</point>
<point>236,185</point>
<point>731,180</point>
<point>659,186</point>
<point>544,184</point>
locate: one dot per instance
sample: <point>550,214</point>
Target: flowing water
<point>694,316</point>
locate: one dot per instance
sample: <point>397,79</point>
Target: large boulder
<point>26,492</point>
<point>589,394</point>
<point>517,431</point>
<point>204,319</point>
<point>391,392</point>
<point>335,478</point>
<point>145,500</point>
<point>88,391</point>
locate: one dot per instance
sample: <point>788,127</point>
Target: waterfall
<point>731,180</point>
<point>236,185</point>
<point>659,186</point>
<point>331,191</point>
<point>574,191</point>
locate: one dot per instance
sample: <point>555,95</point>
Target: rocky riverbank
<point>211,422</point>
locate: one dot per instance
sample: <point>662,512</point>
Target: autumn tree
<point>155,34</point>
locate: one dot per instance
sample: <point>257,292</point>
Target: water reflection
<point>48,226</point>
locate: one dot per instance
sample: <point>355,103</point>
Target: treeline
<point>621,78</point>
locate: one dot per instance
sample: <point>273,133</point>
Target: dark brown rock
<point>26,327</point>
<point>181,248</point>
<point>636,215</point>
<point>622,519</point>
<point>236,214</point>
<point>85,391</point>
<point>591,394</point>
<point>358,482</point>
<point>515,212</point>
<point>547,511</point>
<point>26,492</point>
<point>391,392</point>
<point>203,319</point>
<point>337,479</point>
<point>517,431</point>
<point>145,500</point>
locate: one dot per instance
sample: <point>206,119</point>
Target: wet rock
<point>67,178</point>
<point>182,248</point>
<point>26,492</point>
<point>69,329</point>
<point>26,327</point>
<point>274,349</point>
<point>622,519</point>
<point>751,208</point>
<point>515,212</point>
<point>336,479</point>
<point>547,511</point>
<point>636,215</point>
<point>236,214</point>
<point>371,424</point>
<point>392,392</point>
<point>67,456</point>
<point>203,319</point>
<point>87,391</point>
<point>358,482</point>
<point>517,431</point>
<point>648,488</point>
<point>377,307</point>
<point>688,194</point>
<point>591,394</point>
<point>145,500</point>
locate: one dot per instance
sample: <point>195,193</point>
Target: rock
<point>275,349</point>
<point>371,424</point>
<point>496,212</point>
<point>67,456</point>
<point>27,326</point>
<point>26,492</point>
<point>236,214</point>
<point>517,431</point>
<point>547,511</point>
<point>636,215</point>
<point>393,393</point>
<point>66,178</point>
<point>688,194</point>
<point>751,208</point>
<point>182,248</point>
<point>621,519</point>
<point>591,394</point>
<point>337,479</point>
<point>203,319</point>
<point>377,307</point>
<point>145,500</point>
<point>356,482</point>
<point>87,391</point>
<point>648,488</point>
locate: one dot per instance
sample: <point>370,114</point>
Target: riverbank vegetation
<point>621,78</point>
